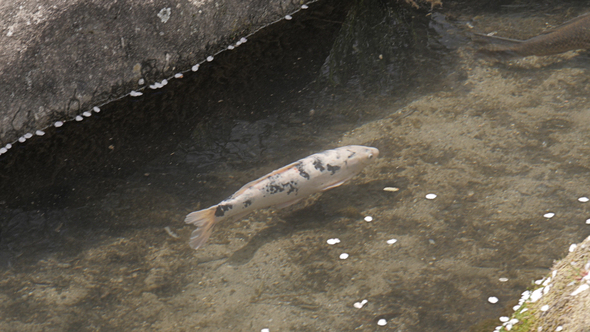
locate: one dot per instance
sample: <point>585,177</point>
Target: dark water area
<point>91,214</point>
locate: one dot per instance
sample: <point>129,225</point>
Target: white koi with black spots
<point>284,186</point>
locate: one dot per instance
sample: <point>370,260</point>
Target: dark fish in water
<point>572,35</point>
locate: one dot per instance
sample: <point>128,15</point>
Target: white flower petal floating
<point>39,133</point>
<point>343,256</point>
<point>430,196</point>
<point>504,319</point>
<point>87,114</point>
<point>391,241</point>
<point>545,307</point>
<point>288,17</point>
<point>28,135</point>
<point>3,150</point>
<point>79,118</point>
<point>195,67</point>
<point>231,47</point>
<point>141,81</point>
<point>135,93</point>
<point>210,58</point>
<point>382,322</point>
<point>572,247</point>
<point>493,299</point>
<point>96,109</point>
<point>304,7</point>
<point>22,139</point>
<point>333,241</point>
<point>549,215</point>
<point>178,75</point>
<point>368,218</point>
<point>580,289</point>
<point>58,124</point>
<point>583,199</point>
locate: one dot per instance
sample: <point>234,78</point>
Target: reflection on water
<point>84,210</point>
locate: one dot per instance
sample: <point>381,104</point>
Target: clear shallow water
<point>84,210</point>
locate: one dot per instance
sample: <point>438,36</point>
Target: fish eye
<point>370,156</point>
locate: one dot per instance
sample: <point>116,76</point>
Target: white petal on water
<point>28,135</point>
<point>39,133</point>
<point>504,319</point>
<point>79,118</point>
<point>343,256</point>
<point>22,139</point>
<point>536,295</point>
<point>492,299</point>
<point>513,321</point>
<point>288,17</point>
<point>359,305</point>
<point>265,330</point>
<point>135,93</point>
<point>333,241</point>
<point>141,81</point>
<point>171,232</point>
<point>96,109</point>
<point>231,47</point>
<point>503,279</point>
<point>583,199</point>
<point>210,58</point>
<point>164,82</point>
<point>87,114</point>
<point>524,310</point>
<point>549,215</point>
<point>430,196</point>
<point>304,6</point>
<point>243,40</point>
<point>368,218</point>
<point>580,289</point>
<point>153,86</point>
<point>8,146</point>
<point>391,241</point>
<point>587,221</point>
<point>58,124</point>
<point>178,75</point>
<point>391,189</point>
<point>540,281</point>
<point>508,327</point>
<point>546,282</point>
<point>559,328</point>
<point>554,274</point>
<point>3,150</point>
<point>516,307</point>
<point>545,307</point>
<point>195,67</point>
<point>382,322</point>
<point>572,247</point>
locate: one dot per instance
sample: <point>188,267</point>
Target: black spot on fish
<point>274,188</point>
<point>318,165</point>
<point>220,211</point>
<point>302,172</point>
<point>247,203</point>
<point>332,169</point>
<point>353,153</point>
<point>292,187</point>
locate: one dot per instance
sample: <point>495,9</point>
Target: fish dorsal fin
<point>252,183</point>
<point>337,184</point>
<point>572,21</point>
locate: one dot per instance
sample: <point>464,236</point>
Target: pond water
<point>91,214</point>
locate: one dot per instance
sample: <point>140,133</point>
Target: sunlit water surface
<point>93,238</point>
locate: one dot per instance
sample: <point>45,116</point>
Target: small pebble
<point>545,307</point>
<point>382,322</point>
<point>492,299</point>
<point>391,241</point>
<point>343,256</point>
<point>368,218</point>
<point>430,196</point>
<point>333,241</point>
<point>583,199</point>
<point>549,215</point>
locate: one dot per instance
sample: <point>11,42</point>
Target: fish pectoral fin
<point>289,203</point>
<point>337,184</point>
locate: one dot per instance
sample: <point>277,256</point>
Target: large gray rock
<point>59,59</point>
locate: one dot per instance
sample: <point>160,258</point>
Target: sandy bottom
<point>499,144</point>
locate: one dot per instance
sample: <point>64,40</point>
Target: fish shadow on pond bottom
<point>318,214</point>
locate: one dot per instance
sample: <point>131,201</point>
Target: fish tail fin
<point>497,47</point>
<point>204,220</point>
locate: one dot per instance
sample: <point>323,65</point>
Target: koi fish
<point>284,186</point>
<point>572,35</point>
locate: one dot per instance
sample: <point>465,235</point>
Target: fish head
<point>361,155</point>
